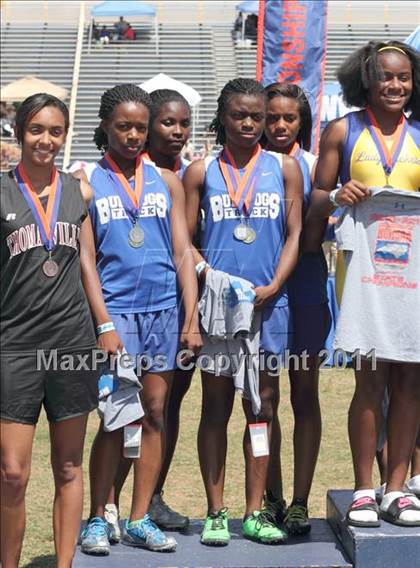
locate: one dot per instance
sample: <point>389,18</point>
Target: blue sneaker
<point>95,537</point>
<point>146,534</point>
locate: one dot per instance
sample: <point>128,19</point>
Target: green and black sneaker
<point>276,506</point>
<point>261,527</point>
<point>215,531</point>
<point>296,521</point>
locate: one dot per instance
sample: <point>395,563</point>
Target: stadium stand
<point>202,55</point>
<point>186,53</point>
<point>43,50</point>
<point>341,41</point>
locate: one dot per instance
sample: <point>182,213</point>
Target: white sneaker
<point>112,518</point>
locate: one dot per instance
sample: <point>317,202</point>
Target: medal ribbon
<point>240,190</point>
<point>131,199</point>
<point>294,151</point>
<point>388,157</point>
<point>46,220</point>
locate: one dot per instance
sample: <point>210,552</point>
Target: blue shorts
<point>152,338</point>
<point>311,326</point>
<point>276,330</point>
<point>307,285</point>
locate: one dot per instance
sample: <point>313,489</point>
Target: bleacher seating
<point>203,55</point>
<point>43,50</point>
<point>341,41</point>
<point>185,53</point>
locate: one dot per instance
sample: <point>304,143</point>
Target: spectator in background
<point>104,36</point>
<point>129,34</point>
<point>121,27</point>
<point>188,151</point>
<point>237,27</point>
<point>9,154</point>
<point>95,31</point>
<point>207,149</point>
<point>7,120</point>
<point>251,26</point>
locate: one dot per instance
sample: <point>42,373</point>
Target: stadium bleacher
<point>203,55</point>
<point>185,53</point>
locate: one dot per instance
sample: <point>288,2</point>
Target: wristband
<point>200,267</point>
<point>332,195</point>
<point>104,327</point>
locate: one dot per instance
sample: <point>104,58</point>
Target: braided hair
<point>293,91</point>
<point>362,69</point>
<point>238,86</point>
<point>163,96</point>
<point>111,98</point>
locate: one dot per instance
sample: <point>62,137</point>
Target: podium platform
<point>388,546</point>
<point>319,549</point>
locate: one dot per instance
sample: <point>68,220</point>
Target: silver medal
<point>136,236</point>
<point>50,268</point>
<point>240,232</point>
<point>250,236</point>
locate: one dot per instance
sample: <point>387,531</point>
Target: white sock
<point>413,484</point>
<point>363,516</point>
<point>405,515</point>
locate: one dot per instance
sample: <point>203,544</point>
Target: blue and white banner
<point>292,47</point>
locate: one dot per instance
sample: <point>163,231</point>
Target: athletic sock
<point>300,502</point>
<point>410,516</point>
<point>363,516</point>
<point>413,484</point>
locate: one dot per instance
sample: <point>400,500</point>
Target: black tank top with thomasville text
<point>38,312</point>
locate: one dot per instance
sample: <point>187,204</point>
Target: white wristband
<point>104,327</point>
<point>332,195</point>
<point>200,267</point>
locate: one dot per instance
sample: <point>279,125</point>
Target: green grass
<point>184,489</point>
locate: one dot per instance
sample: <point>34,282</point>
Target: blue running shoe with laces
<point>146,534</point>
<point>95,537</point>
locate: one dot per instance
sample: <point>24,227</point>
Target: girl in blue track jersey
<point>143,254</point>
<point>257,240</point>
<point>288,131</point>
<point>169,130</point>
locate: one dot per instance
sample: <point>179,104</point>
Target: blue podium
<point>319,549</point>
<point>388,546</point>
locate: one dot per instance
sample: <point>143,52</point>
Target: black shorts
<point>65,392</point>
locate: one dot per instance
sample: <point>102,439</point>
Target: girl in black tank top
<point>48,276</point>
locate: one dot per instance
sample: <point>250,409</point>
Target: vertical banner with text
<point>292,38</point>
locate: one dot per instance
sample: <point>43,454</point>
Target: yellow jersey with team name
<point>361,160</point>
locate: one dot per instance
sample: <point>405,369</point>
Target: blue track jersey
<point>256,262</point>
<point>134,280</point>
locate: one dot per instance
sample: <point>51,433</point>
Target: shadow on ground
<point>44,561</point>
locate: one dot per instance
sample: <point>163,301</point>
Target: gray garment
<point>231,337</point>
<point>380,307</point>
<point>119,399</point>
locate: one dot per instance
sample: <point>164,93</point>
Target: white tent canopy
<point>162,81</point>
<point>19,90</point>
<point>116,8</point>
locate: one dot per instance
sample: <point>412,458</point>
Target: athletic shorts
<point>276,330</point>
<point>275,337</point>
<point>64,387</point>
<point>152,338</point>
<point>311,326</point>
